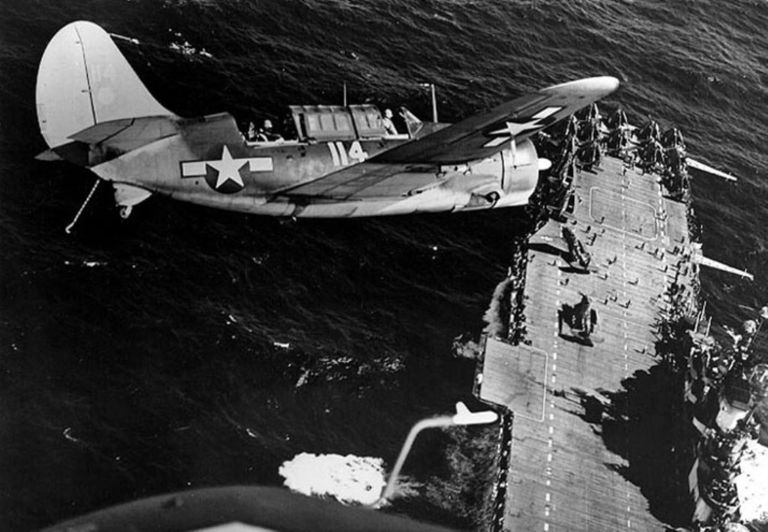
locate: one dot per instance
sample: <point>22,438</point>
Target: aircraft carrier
<point>593,438</point>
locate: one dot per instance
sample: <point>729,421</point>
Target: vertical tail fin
<point>84,80</point>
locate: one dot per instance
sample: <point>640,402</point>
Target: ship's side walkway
<point>561,475</point>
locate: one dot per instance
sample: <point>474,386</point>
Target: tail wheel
<point>492,197</point>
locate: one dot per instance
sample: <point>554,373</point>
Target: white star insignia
<point>228,168</point>
<point>513,129</point>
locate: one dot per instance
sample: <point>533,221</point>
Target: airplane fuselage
<point>234,174</point>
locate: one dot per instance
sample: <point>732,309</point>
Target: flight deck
<point>561,473</point>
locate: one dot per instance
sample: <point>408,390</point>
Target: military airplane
<point>94,111</point>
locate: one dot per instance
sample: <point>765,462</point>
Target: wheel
<point>492,197</point>
<point>125,211</point>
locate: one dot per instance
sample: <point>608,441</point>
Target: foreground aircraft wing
<point>486,133</point>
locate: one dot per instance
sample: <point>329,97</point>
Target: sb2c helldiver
<point>95,112</point>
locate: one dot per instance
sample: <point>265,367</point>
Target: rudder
<point>84,80</point>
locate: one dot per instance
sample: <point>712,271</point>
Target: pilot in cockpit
<point>386,122</point>
<point>266,134</point>
<point>251,133</point>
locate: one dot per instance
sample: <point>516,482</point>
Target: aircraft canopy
<point>336,122</point>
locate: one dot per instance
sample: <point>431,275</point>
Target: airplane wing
<point>486,133</point>
<point>413,166</point>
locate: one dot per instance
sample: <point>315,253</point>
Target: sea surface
<point>188,347</point>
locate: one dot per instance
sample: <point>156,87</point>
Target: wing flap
<point>366,181</point>
<point>484,134</point>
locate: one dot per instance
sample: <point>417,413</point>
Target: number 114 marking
<point>342,157</point>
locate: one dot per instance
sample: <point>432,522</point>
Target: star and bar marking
<point>513,129</point>
<point>225,175</point>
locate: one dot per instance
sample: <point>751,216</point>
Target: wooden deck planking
<point>561,475</point>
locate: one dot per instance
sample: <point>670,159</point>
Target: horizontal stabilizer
<point>704,261</point>
<point>709,170</point>
<point>123,135</point>
<point>150,127</point>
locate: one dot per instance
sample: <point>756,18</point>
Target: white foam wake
<point>349,479</point>
<point>495,321</point>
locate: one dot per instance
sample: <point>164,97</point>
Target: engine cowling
<point>521,174</point>
<point>506,179</point>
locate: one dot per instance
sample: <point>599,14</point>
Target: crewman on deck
<point>386,122</point>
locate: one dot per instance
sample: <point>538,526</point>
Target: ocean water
<point>148,355</point>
